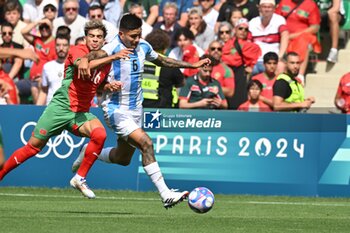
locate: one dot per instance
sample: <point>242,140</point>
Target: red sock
<point>93,149</point>
<point>18,157</point>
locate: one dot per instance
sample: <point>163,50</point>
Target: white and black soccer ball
<point>201,200</point>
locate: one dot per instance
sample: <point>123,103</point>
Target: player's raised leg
<point>32,148</point>
<point>97,134</point>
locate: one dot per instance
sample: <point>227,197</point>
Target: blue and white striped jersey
<point>128,71</point>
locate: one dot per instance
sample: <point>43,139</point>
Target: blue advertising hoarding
<point>227,151</point>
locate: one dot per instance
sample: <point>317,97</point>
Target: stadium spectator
<point>50,8</point>
<point>11,66</point>
<point>124,111</point>
<point>332,17</point>
<point>221,72</point>
<point>241,55</point>
<point>288,92</point>
<point>254,103</point>
<point>96,13</point>
<point>186,50</point>
<point>181,15</point>
<point>138,11</point>
<point>83,7</point>
<point>236,14</point>
<point>203,34</point>
<point>12,13</point>
<point>33,11</point>
<point>159,83</point>
<point>342,97</point>
<point>53,71</point>
<point>249,10</point>
<point>44,47</point>
<point>63,31</point>
<point>11,95</point>
<point>269,31</point>
<point>71,19</point>
<point>169,24</point>
<point>303,22</point>
<point>225,32</point>
<point>112,10</point>
<point>202,91</point>
<point>210,15</point>
<point>268,77</point>
<point>150,9</point>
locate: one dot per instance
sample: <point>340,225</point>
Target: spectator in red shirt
<point>342,97</point>
<point>221,71</point>
<point>268,77</point>
<point>254,104</point>
<point>241,55</point>
<point>44,47</point>
<point>303,22</point>
<point>11,95</point>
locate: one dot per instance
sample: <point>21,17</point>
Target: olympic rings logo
<point>54,143</point>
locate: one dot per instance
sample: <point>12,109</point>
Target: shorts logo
<point>42,132</point>
<point>151,120</point>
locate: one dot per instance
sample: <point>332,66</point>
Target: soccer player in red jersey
<point>69,110</point>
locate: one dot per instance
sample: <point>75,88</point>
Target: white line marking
<point>342,204</point>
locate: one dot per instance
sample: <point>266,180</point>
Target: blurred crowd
<point>259,49</point>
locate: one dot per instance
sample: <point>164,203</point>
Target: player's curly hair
<point>159,40</point>
<point>95,24</point>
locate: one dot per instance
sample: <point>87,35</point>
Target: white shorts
<point>123,122</point>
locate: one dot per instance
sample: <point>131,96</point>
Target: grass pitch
<point>64,210</point>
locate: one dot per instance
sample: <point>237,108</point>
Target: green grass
<point>64,210</point>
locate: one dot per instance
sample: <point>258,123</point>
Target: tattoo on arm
<point>169,62</point>
<point>96,55</point>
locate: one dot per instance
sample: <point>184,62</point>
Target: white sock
<point>334,49</point>
<point>78,177</point>
<point>104,155</point>
<point>153,171</point>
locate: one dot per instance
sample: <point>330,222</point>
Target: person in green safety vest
<point>288,92</point>
<point>159,83</point>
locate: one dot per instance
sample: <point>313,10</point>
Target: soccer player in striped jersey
<point>69,109</point>
<point>123,110</point>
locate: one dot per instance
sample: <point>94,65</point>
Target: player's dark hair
<point>95,24</point>
<point>7,24</point>
<point>254,82</point>
<point>291,54</point>
<point>63,32</point>
<point>94,6</point>
<point>270,56</point>
<point>159,40</point>
<point>130,22</point>
<point>213,61</point>
<point>185,32</point>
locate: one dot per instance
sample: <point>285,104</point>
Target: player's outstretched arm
<point>96,59</point>
<point>22,53</point>
<point>169,62</point>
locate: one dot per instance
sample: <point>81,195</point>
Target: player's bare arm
<point>96,59</point>
<point>169,62</point>
<point>22,53</point>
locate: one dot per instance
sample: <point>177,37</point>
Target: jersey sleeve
<point>45,81</point>
<point>150,53</point>
<point>75,52</point>
<point>109,48</point>
<point>282,89</point>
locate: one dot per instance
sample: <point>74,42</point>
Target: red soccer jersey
<point>46,52</point>
<point>248,107</point>
<point>13,91</point>
<point>224,75</point>
<point>303,16</point>
<point>267,83</point>
<point>81,92</point>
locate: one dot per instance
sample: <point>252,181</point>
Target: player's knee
<point>98,135</point>
<point>146,144</point>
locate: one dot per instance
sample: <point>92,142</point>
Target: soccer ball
<point>201,200</point>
